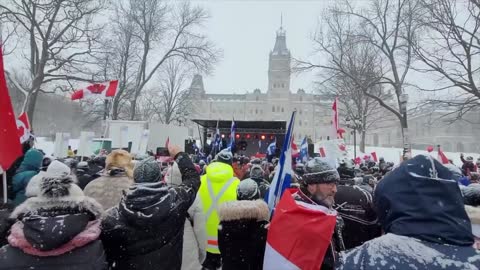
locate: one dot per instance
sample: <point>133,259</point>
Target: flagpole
<point>4,177</point>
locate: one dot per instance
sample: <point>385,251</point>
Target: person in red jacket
<point>468,165</point>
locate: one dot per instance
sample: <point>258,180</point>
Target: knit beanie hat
<point>225,156</point>
<point>248,190</point>
<point>55,169</point>
<point>147,171</point>
<point>256,172</point>
<point>317,171</point>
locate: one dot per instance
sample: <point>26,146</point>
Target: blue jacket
<point>29,168</point>
<point>422,213</point>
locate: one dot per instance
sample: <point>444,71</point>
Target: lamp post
<point>403,98</point>
<point>354,124</point>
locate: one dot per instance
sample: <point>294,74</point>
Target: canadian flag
<point>101,90</point>
<point>10,147</point>
<point>23,127</point>
<point>294,146</point>
<point>294,225</point>
<point>335,120</point>
<point>442,157</point>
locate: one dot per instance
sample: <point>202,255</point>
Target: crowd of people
<point>115,212</point>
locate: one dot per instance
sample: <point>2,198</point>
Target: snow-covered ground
<point>394,154</point>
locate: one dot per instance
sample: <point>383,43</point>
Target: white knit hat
<point>55,169</point>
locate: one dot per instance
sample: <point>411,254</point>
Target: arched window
<point>273,108</point>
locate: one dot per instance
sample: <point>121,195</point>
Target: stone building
<point>276,103</point>
<point>432,126</point>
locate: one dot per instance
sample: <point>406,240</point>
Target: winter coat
<point>145,231</point>
<point>194,235</point>
<point>5,221</point>
<point>421,211</point>
<point>356,209</point>
<point>14,167</point>
<point>474,215</point>
<point>29,167</point>
<point>263,186</point>
<point>55,234</point>
<point>108,189</point>
<point>242,234</point>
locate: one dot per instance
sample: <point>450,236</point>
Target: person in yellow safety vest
<point>218,186</point>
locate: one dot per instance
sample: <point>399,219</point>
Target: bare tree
<point>382,36</point>
<point>451,50</point>
<point>164,31</point>
<point>61,40</point>
<point>356,104</point>
<point>170,101</point>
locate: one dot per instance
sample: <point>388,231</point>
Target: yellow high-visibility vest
<point>217,186</point>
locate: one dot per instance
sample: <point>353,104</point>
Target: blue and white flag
<point>284,171</point>
<point>233,128</point>
<point>304,150</point>
<point>272,147</point>
<point>216,143</point>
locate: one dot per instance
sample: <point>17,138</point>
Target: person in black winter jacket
<point>256,174</point>
<point>145,231</point>
<point>58,229</point>
<point>242,233</point>
<point>421,211</point>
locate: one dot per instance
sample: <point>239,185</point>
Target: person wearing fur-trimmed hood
<point>145,231</point>
<point>242,233</point>
<point>117,178</point>
<point>57,229</point>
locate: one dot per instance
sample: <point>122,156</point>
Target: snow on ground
<point>394,154</point>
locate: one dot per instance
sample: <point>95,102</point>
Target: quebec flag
<point>284,172</point>
<point>271,147</point>
<point>304,150</point>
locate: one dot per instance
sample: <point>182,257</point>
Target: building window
<point>282,109</point>
<point>256,111</point>
<point>283,85</point>
<point>273,108</point>
<point>300,111</point>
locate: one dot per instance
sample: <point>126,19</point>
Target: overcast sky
<point>245,30</point>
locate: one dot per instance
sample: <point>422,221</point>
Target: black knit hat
<point>318,171</point>
<point>147,171</point>
<point>225,156</point>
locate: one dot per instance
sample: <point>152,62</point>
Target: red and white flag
<point>295,152</point>
<point>23,127</point>
<point>299,235</point>
<point>335,134</point>
<point>167,142</point>
<point>322,152</point>
<point>442,157</point>
<point>97,90</point>
<point>10,148</point>
<point>374,156</point>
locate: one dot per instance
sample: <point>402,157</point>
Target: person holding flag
<point>304,215</point>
